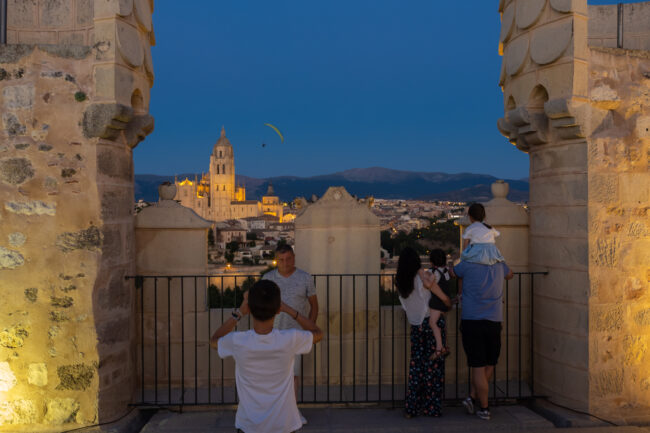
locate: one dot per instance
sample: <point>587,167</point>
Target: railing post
<point>3,22</point>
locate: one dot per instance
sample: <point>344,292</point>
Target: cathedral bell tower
<point>222,178</point>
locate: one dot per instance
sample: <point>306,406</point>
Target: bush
<point>228,298</point>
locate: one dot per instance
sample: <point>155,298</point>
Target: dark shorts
<point>481,341</point>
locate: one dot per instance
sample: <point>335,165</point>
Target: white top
<point>442,270</point>
<point>477,233</point>
<point>416,305</point>
<point>264,377</point>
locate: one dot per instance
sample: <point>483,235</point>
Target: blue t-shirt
<point>482,290</point>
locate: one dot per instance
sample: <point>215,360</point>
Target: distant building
<point>216,196</point>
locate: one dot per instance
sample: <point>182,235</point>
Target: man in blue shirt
<point>481,317</point>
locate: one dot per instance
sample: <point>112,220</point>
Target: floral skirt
<point>426,379</point>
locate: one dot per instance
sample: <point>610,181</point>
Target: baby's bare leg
<point>434,315</point>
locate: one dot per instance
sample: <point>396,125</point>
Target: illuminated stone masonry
<point>576,84</point>
<point>74,91</point>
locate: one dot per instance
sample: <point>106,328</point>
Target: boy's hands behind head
<point>243,308</point>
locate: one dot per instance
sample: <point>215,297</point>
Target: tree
<point>229,257</point>
<point>232,246</point>
<point>210,237</point>
<point>251,236</point>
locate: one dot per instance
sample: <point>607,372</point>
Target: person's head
<point>285,258</point>
<point>407,268</point>
<point>438,258</point>
<point>476,213</point>
<point>264,300</point>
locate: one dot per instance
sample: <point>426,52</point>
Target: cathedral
<point>216,196</point>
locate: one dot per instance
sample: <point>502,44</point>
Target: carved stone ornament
<point>507,23</point>
<point>524,128</point>
<point>564,118</point>
<point>528,12</point>
<point>108,121</point>
<point>516,54</point>
<point>548,43</point>
<point>129,45</point>
<point>143,14</point>
<point>562,6</point>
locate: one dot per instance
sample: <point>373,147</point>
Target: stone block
<point>37,208</point>
<point>17,239</point>
<point>88,239</point>
<point>7,377</point>
<point>20,13</point>
<point>15,171</point>
<point>75,376</point>
<point>85,13</point>
<point>17,97</point>
<point>606,252</point>
<point>571,320</point>
<point>606,318</point>
<point>12,125</point>
<point>61,411</point>
<point>634,188</point>
<point>37,374</point>
<point>566,189</point>
<point>18,412</point>
<point>76,37</point>
<point>603,188</point>
<point>117,203</point>
<point>561,158</point>
<point>10,259</point>
<point>56,13</point>
<point>562,221</point>
<point>562,252</point>
<point>608,383</point>
<point>114,331</point>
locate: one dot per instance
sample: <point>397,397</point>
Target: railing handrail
<point>130,277</point>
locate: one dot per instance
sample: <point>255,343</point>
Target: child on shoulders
<point>479,239</point>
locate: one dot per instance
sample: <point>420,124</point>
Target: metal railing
<point>363,356</point>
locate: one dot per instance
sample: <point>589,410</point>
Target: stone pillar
<point>73,109</point>
<point>579,110</point>
<point>339,235</point>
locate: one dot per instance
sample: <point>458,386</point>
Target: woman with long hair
<point>426,375</point>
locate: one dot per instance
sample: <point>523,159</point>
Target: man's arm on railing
<point>306,323</point>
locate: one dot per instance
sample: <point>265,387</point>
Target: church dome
<point>222,142</point>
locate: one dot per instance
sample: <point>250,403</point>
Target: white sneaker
<point>483,414</point>
<point>469,405</point>
<point>302,418</point>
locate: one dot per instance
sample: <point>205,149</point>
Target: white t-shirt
<point>477,233</point>
<point>264,376</point>
<point>416,305</point>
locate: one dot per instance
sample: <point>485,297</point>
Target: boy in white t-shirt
<point>264,360</point>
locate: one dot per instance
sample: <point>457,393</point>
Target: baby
<point>436,306</point>
<point>479,239</point>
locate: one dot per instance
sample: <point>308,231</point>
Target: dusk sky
<point>409,85</point>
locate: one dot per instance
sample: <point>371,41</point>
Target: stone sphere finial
<point>167,191</point>
<point>500,189</point>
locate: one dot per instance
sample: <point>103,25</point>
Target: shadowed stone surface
<point>89,239</point>
<point>75,376</point>
<point>15,171</point>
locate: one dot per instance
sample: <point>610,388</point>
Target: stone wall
<point>56,22</point>
<point>71,115</point>
<point>620,26</point>
<point>619,232</point>
<point>581,115</point>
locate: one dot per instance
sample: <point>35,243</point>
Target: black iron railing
<point>363,356</point>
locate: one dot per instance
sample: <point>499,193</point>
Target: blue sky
<point>351,84</point>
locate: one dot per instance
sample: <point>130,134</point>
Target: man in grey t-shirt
<point>297,291</point>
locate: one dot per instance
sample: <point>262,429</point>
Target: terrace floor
<point>505,419</point>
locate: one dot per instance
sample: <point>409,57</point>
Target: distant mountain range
<point>375,181</point>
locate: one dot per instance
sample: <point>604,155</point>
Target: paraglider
<point>276,130</point>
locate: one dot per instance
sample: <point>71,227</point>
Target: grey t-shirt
<point>295,291</point>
